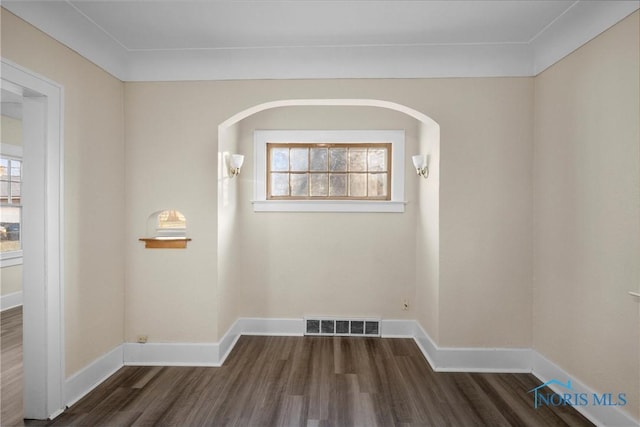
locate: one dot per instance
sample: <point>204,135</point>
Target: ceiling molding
<point>580,23</point>
<point>63,22</point>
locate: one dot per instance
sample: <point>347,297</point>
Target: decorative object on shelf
<point>235,164</point>
<point>421,164</point>
<point>168,230</point>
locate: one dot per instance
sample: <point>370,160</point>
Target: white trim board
<point>441,359</point>
<point>207,354</point>
<point>609,416</point>
<point>171,354</point>
<point>43,290</point>
<point>10,300</point>
<point>583,21</point>
<point>82,382</point>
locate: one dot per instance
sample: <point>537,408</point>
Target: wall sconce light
<point>420,163</point>
<point>235,163</point>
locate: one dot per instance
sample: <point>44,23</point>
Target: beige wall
<point>93,189</point>
<point>231,251</point>
<point>586,189</point>
<point>172,161</point>
<point>10,277</point>
<point>485,194</point>
<point>355,264</point>
<point>472,263</point>
<point>426,305</point>
<point>485,213</point>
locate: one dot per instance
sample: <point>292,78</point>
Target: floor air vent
<point>342,327</point>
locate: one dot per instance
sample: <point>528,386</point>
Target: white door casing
<point>42,231</point>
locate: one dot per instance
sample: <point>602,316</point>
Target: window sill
<point>9,259</point>
<point>328,206</point>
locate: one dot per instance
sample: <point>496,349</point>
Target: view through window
<point>340,171</point>
<point>10,204</point>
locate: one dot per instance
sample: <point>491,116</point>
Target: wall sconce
<point>235,163</point>
<point>420,163</point>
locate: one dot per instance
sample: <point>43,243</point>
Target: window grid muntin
<point>367,146</point>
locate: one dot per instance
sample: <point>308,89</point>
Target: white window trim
<point>10,150</point>
<point>395,137</point>
<point>9,259</point>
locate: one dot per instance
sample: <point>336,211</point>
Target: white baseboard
<point>426,345</point>
<point>85,380</point>
<point>442,359</point>
<point>610,416</point>
<point>172,354</point>
<point>273,327</point>
<point>207,354</point>
<point>397,328</point>
<point>229,340</point>
<point>10,300</point>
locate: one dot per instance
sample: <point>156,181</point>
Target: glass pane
<point>300,159</point>
<point>319,184</point>
<point>10,228</point>
<point>377,159</point>
<point>4,168</point>
<point>279,184</point>
<point>338,160</point>
<point>15,191</point>
<point>299,185</point>
<point>358,185</point>
<point>4,191</point>
<point>338,184</point>
<point>357,159</point>
<point>15,170</point>
<point>377,185</point>
<point>279,159</point>
<point>319,157</point>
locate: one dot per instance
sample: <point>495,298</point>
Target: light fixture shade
<point>418,161</point>
<point>236,161</point>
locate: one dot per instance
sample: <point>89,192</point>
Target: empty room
<point>320,213</point>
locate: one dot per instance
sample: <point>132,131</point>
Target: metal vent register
<point>342,327</point>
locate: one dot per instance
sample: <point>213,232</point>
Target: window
<point>329,171</point>
<point>10,209</point>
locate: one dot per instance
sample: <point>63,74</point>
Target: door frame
<point>43,290</point>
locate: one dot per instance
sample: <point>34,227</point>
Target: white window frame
<point>395,137</point>
<point>9,259</point>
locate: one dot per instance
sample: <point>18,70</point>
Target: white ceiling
<point>239,39</point>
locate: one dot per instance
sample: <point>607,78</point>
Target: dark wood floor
<point>314,381</point>
<point>11,367</point>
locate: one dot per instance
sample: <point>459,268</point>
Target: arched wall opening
<point>295,264</point>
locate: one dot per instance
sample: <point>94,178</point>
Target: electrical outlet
<point>405,304</point>
<point>142,339</point>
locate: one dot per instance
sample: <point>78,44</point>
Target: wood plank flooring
<point>11,367</point>
<point>315,382</point>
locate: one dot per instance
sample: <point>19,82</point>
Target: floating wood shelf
<point>165,243</point>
